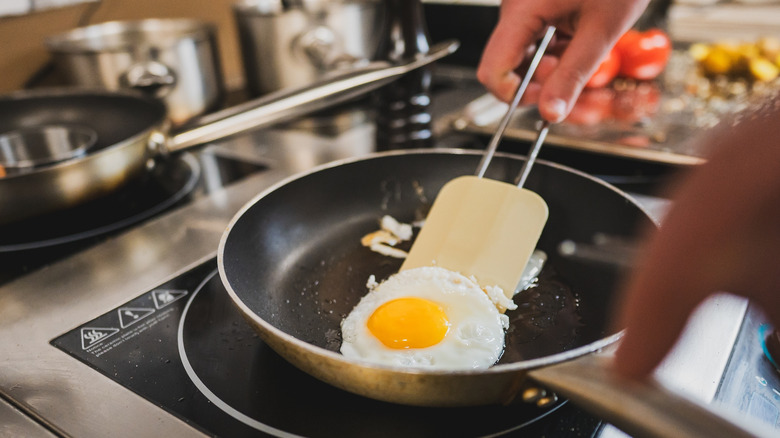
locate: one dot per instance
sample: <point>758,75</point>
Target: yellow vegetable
<point>769,46</point>
<point>748,50</point>
<point>717,61</point>
<point>763,69</point>
<point>733,48</point>
<point>758,60</point>
<point>746,53</point>
<point>699,51</point>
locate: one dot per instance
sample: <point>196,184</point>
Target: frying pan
<point>133,130</point>
<point>292,262</point>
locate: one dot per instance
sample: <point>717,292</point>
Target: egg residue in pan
<point>390,233</point>
<point>427,317</point>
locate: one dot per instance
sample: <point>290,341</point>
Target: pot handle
<point>288,104</point>
<point>151,77</point>
<point>637,408</point>
<point>320,45</point>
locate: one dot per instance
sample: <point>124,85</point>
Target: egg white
<point>475,339</point>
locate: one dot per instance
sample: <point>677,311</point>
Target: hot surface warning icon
<point>94,335</point>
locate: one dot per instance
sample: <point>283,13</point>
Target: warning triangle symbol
<point>163,297</point>
<point>131,315</point>
<point>94,335</point>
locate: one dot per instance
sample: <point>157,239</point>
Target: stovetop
<point>90,340</point>
<point>71,398</point>
<point>185,347</point>
<point>173,182</point>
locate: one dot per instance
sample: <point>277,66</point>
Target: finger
<point>505,51</point>
<point>531,95</point>
<point>546,66</point>
<point>583,55</point>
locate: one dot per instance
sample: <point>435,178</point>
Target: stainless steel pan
<point>293,264</point>
<point>132,131</point>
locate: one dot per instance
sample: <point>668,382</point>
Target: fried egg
<point>427,317</point>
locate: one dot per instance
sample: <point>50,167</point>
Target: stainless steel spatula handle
<point>491,149</point>
<point>529,162</point>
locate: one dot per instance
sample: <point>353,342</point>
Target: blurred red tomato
<point>643,55</point>
<point>630,103</point>
<point>607,70</point>
<point>634,103</point>
<point>592,107</point>
<point>639,141</point>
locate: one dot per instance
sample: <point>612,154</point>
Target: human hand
<point>722,234</point>
<point>586,31</point>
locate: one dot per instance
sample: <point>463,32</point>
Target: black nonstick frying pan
<point>292,262</point>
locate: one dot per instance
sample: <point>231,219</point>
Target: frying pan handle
<point>289,104</point>
<point>640,409</point>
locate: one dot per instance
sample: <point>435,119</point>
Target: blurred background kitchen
<point>647,121</point>
<point>25,24</point>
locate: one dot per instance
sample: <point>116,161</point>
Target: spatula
<point>483,227</point>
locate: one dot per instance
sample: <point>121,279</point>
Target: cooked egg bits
<point>426,317</point>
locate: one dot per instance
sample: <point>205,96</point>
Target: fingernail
<point>557,108</point>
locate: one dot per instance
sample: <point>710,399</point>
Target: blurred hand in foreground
<point>721,234</point>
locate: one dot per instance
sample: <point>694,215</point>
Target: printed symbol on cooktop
<point>163,297</point>
<point>94,335</point>
<point>131,315</point>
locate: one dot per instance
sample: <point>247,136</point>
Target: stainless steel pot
<point>294,43</point>
<point>173,59</point>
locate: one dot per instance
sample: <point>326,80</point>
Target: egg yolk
<point>409,323</point>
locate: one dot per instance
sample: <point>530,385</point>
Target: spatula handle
<point>529,162</point>
<point>491,149</point>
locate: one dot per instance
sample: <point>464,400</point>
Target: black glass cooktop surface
<point>162,187</point>
<point>184,347</point>
<point>751,382</point>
